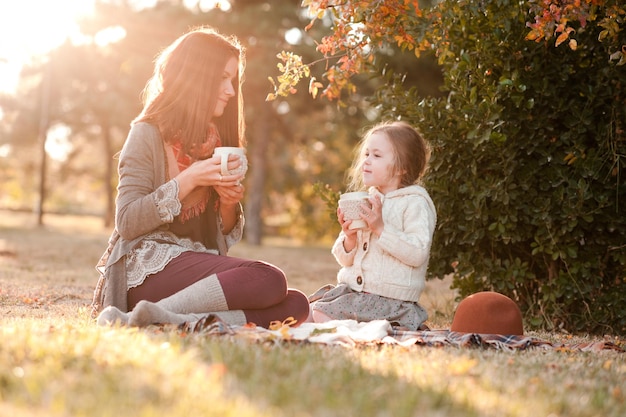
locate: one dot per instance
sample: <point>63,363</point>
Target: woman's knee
<point>274,277</point>
<point>298,305</point>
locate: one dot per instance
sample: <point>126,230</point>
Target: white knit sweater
<point>393,265</point>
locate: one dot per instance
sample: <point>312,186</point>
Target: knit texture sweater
<point>143,172</point>
<point>393,265</point>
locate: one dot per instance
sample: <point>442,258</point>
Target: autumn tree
<point>563,20</point>
<point>529,146</point>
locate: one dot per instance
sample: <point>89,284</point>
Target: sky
<point>32,27</point>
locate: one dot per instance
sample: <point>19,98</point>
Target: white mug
<point>224,151</point>
<point>350,204</point>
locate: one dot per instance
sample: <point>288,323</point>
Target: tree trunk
<point>256,179</point>
<point>108,176</point>
<point>44,123</point>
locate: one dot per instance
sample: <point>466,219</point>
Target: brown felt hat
<point>488,313</point>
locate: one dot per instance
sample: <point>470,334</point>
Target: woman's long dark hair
<point>181,95</point>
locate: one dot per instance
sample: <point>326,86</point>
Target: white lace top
<point>160,247</point>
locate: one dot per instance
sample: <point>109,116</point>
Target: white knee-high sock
<point>203,296</point>
<point>146,313</point>
<point>112,316</point>
<point>235,317</point>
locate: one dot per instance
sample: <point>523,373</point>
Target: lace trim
<point>236,234</point>
<point>166,200</point>
<point>155,252</point>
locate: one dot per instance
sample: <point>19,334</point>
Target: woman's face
<point>226,90</point>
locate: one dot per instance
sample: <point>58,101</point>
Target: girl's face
<point>379,164</point>
<point>226,90</point>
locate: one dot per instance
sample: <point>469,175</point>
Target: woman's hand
<point>230,190</point>
<point>207,173</point>
<point>229,187</point>
<point>230,195</point>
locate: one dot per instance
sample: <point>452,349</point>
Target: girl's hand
<point>374,216</point>
<point>349,241</point>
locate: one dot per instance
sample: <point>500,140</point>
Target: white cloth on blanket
<point>351,333</point>
<point>341,331</point>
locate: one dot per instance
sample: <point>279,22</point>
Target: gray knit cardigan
<point>142,170</point>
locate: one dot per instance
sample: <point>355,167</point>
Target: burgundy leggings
<point>257,288</point>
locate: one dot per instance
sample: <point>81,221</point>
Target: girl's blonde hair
<point>411,154</point>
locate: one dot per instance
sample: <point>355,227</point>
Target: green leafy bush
<point>528,164</point>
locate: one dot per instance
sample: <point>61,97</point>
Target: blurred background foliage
<point>87,94</point>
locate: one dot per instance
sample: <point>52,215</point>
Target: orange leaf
<point>534,35</point>
<point>562,38</point>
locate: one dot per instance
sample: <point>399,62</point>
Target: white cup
<point>224,151</point>
<point>350,205</point>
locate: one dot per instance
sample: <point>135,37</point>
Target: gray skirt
<point>343,303</point>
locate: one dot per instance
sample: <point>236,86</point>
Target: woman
<point>177,215</point>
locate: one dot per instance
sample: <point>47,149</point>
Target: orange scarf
<point>195,202</point>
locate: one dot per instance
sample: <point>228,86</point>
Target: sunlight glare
<point>58,144</point>
<point>5,150</point>
<point>293,36</point>
<point>110,35</point>
<point>208,5</point>
<point>33,27</point>
<point>283,108</point>
<point>30,28</point>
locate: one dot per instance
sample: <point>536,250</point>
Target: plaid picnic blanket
<point>351,333</point>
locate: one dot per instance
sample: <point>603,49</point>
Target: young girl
<point>177,214</point>
<point>384,265</point>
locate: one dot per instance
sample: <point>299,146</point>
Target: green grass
<point>55,362</point>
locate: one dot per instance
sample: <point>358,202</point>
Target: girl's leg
<point>319,317</point>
